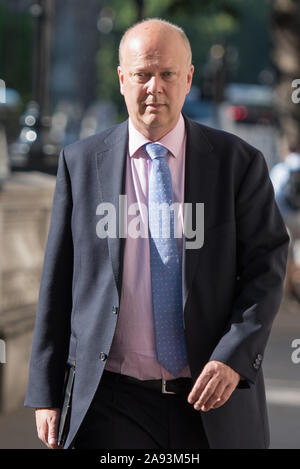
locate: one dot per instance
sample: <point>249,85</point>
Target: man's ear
<point>190,78</point>
<point>121,79</point>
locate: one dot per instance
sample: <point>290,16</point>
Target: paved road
<point>283,378</point>
<point>17,430</point>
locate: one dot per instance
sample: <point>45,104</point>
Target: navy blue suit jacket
<point>232,285</point>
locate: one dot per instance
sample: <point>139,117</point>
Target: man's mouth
<point>155,105</point>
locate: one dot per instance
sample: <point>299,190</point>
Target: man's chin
<point>154,120</point>
<point>147,124</point>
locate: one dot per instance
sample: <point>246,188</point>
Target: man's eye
<point>141,75</point>
<point>168,74</point>
<point>144,76</point>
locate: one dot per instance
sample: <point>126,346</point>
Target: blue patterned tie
<point>165,266</point>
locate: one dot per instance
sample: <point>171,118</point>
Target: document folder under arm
<point>66,408</point>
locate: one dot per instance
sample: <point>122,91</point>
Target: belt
<point>181,386</point>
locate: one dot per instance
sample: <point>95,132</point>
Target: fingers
<point>42,431</point>
<point>52,432</point>
<point>199,385</point>
<point>213,387</point>
<point>47,426</point>
<point>224,398</point>
<point>211,396</point>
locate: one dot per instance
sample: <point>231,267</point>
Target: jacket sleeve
<point>52,325</point>
<point>262,246</point>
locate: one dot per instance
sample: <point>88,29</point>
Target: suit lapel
<point>200,170</point>
<point>111,167</point>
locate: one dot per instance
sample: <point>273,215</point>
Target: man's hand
<point>47,426</point>
<point>213,387</point>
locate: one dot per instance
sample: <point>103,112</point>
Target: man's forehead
<point>146,50</point>
<point>152,31</point>
<point>154,38</point>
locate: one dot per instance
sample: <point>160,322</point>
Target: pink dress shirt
<point>133,348</point>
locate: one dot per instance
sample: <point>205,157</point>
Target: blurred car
<point>200,110</point>
<point>249,104</point>
<point>34,149</point>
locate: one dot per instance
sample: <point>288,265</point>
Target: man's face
<point>155,76</point>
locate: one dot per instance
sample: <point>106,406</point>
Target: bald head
<point>155,27</point>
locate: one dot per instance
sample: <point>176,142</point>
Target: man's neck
<point>154,133</point>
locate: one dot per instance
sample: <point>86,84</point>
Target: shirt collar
<point>172,140</point>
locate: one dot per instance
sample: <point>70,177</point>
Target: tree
<point>285,23</point>
<point>16,32</point>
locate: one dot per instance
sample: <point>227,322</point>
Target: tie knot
<point>155,150</point>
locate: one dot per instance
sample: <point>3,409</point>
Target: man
<point>149,375</point>
<point>285,177</point>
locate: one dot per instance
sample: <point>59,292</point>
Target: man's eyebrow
<point>149,69</point>
<point>140,69</point>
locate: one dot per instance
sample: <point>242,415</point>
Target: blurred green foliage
<point>16,50</point>
<point>239,24</point>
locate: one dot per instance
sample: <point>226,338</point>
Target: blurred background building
<point>58,84</point>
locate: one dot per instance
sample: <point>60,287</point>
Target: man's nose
<point>154,84</point>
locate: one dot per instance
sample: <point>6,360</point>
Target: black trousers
<point>126,415</point>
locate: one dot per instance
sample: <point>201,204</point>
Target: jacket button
<point>259,357</point>
<point>103,356</point>
<point>115,309</point>
<point>256,366</point>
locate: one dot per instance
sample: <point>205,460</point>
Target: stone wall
<point>25,210</point>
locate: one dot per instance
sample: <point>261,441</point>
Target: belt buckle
<point>163,387</point>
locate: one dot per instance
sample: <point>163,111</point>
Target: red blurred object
<point>237,113</point>
<point>249,103</point>
<point>250,114</point>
